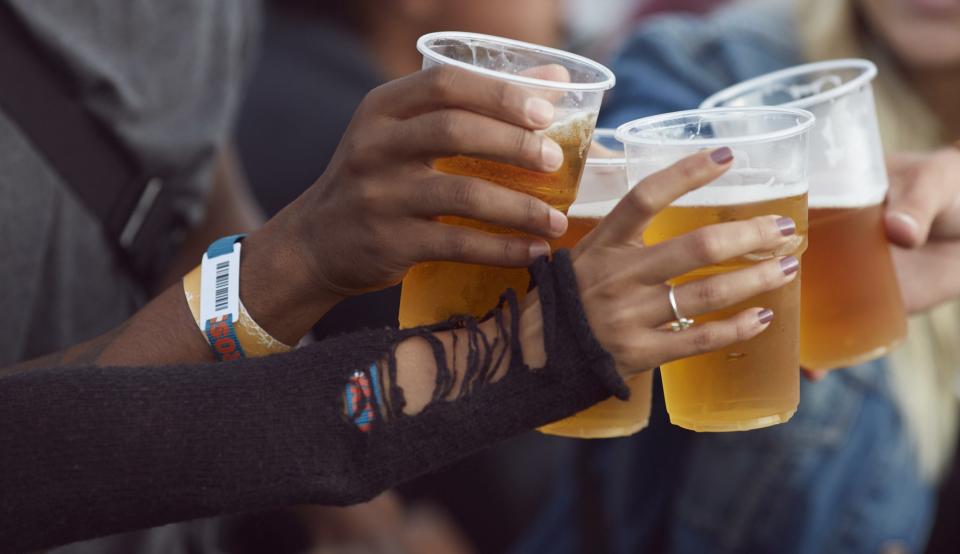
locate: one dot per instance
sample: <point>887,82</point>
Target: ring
<point>681,322</point>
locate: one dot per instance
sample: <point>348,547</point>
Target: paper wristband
<point>251,340</point>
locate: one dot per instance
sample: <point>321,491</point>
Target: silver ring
<point>681,322</point>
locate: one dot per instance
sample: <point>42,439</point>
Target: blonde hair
<point>924,368</point>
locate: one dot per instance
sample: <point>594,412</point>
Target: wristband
<point>217,310</point>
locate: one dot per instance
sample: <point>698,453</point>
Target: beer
<point>612,417</point>
<point>852,309</point>
<point>434,291</point>
<point>751,384</point>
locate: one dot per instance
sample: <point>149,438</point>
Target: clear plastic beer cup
<point>847,317</point>
<point>754,383</point>
<point>434,291</point>
<point>603,184</point>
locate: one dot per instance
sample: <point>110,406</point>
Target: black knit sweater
<point>91,451</point>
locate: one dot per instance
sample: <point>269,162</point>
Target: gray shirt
<point>166,78</point>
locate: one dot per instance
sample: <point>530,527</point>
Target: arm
<point>81,448</point>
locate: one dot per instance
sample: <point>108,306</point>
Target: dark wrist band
<point>565,322</point>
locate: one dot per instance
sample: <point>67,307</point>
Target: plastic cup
<point>603,185</point>
<point>847,317</point>
<point>435,291</point>
<point>754,383</point>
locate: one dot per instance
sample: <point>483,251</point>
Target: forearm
<point>82,447</point>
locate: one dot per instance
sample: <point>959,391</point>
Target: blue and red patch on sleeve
<point>361,398</point>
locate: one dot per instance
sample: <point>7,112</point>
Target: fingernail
<point>787,226</point>
<point>539,111</point>
<point>721,155</point>
<point>906,218</point>
<point>551,154</point>
<point>789,265</point>
<point>765,316</point>
<point>538,249</point>
<point>558,222</point>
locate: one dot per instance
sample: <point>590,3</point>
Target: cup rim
<point>605,162</point>
<point>868,74</point>
<point>806,121</point>
<point>423,47</point>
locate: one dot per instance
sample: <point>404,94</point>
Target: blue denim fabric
<point>840,477</point>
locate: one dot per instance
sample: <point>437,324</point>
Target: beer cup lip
<point>868,72</point>
<point>607,80</point>
<point>803,120</point>
<point>597,161</point>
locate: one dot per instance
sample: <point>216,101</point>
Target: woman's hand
<point>923,222</point>
<point>372,214</point>
<point>623,283</point>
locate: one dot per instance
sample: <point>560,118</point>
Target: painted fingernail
<point>765,316</point>
<point>539,111</point>
<point>551,154</point>
<point>721,155</point>
<point>787,226</point>
<point>538,249</point>
<point>789,265</point>
<point>558,222</point>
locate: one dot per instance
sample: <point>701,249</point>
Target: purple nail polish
<point>721,155</point>
<point>765,315</point>
<point>787,226</point>
<point>789,265</point>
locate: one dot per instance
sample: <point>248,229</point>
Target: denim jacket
<point>840,477</point>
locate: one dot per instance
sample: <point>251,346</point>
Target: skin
<point>924,36</point>
<point>391,27</point>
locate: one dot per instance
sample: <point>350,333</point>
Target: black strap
<point>42,99</point>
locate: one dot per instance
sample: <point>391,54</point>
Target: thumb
<point>911,208</point>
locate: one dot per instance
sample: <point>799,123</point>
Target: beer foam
<point>592,209</point>
<point>847,199</point>
<point>718,194</point>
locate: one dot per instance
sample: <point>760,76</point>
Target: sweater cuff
<point>566,331</point>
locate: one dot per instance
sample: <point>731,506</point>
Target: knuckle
<point>527,144</point>
<point>642,199</point>
<point>447,127</point>
<point>441,81</point>
<point>742,330</point>
<point>707,246</point>
<point>711,295</point>
<point>456,246</point>
<point>463,193</point>
<point>704,339</point>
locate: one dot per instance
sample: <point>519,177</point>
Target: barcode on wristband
<point>220,286</point>
<point>223,279</point>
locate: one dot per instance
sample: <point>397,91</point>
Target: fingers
<point>452,87</point>
<point>924,198</point>
<point>627,221</point>
<point>813,375</point>
<point>451,243</point>
<point>452,131</point>
<point>712,336</point>
<point>720,291</point>
<point>483,201</point>
<point>714,244</point>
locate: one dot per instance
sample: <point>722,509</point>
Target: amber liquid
<point>612,417</point>
<point>852,309</point>
<point>434,291</point>
<point>751,384</point>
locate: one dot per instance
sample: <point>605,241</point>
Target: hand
<point>371,215</point>
<point>623,283</point>
<point>923,222</point>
